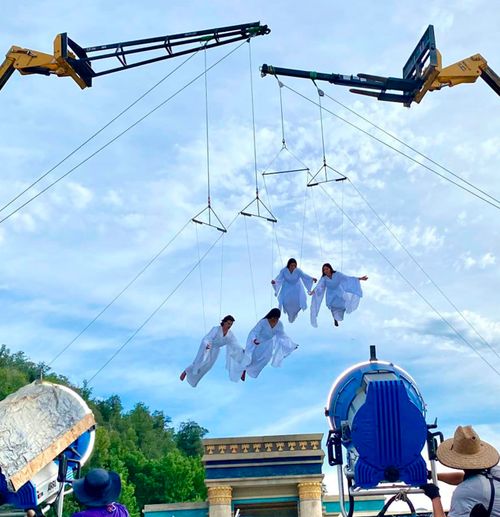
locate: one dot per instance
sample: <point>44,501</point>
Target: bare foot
<point>243,375</point>
<point>336,323</point>
<point>183,375</point>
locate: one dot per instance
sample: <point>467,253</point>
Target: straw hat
<point>467,451</point>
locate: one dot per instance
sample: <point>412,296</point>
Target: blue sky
<point>66,255</point>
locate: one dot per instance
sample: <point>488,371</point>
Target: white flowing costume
<point>343,294</point>
<point>289,288</point>
<point>274,345</point>
<point>205,358</point>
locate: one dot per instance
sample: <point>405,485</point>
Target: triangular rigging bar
<point>209,208</point>
<point>267,214</point>
<point>218,223</point>
<point>284,146</point>
<point>325,167</point>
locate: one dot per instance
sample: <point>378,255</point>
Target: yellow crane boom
<point>71,60</point>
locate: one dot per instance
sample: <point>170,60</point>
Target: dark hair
<point>327,265</point>
<point>291,261</point>
<point>273,313</point>
<point>227,318</point>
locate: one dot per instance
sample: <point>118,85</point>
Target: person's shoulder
<point>495,470</point>
<point>90,512</point>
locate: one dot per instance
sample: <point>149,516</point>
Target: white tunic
<point>289,288</point>
<point>343,294</point>
<point>274,345</point>
<point>206,357</point>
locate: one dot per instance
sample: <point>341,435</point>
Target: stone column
<point>310,499</point>
<point>219,501</point>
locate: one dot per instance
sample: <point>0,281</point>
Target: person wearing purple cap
<point>98,491</point>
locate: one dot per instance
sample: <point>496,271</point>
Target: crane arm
<point>70,59</point>
<point>422,72</point>
<point>466,71</point>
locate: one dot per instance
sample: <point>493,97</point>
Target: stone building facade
<point>264,476</point>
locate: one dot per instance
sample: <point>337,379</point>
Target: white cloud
<point>467,261</point>
<point>66,255</point>
<point>113,198</point>
<point>80,196</point>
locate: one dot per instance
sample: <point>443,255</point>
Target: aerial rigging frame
<point>422,72</point>
<point>70,59</point>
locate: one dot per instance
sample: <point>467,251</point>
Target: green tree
<point>156,463</point>
<point>188,438</point>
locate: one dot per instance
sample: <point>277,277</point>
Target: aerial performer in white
<point>266,342</point>
<point>342,294</point>
<point>290,287</point>
<point>209,351</point>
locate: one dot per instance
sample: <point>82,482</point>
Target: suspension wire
<point>251,270</point>
<point>272,269</point>
<point>91,137</point>
<point>253,116</point>
<point>107,144</point>
<point>414,260</point>
<point>280,85</point>
<point>221,273</point>
<point>303,222</point>
<point>320,94</point>
<point>317,224</point>
<point>413,148</point>
<point>417,292</point>
<point>98,315</point>
<point>283,143</point>
<point>206,127</point>
<point>430,169</point>
<point>157,309</point>
<point>342,228</point>
<point>278,244</point>
<point>201,281</point>
<point>274,227</point>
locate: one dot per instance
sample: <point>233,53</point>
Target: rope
<point>278,244</point>
<point>430,169</point>
<point>342,229</point>
<point>148,264</point>
<point>271,208</point>
<point>283,141</point>
<point>413,149</point>
<point>253,116</point>
<point>405,249</point>
<point>303,222</point>
<point>421,296</point>
<point>201,280</point>
<point>147,92</point>
<point>251,270</point>
<point>319,228</point>
<point>107,144</point>
<point>155,311</point>
<point>272,269</point>
<point>206,128</point>
<point>221,273</point>
<point>320,94</point>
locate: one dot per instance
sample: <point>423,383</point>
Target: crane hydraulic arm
<point>422,72</point>
<point>70,59</point>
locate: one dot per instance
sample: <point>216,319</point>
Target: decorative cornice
<point>262,447</point>
<point>310,490</point>
<point>221,494</point>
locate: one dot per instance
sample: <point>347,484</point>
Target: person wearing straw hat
<point>478,490</point>
<point>98,491</point>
